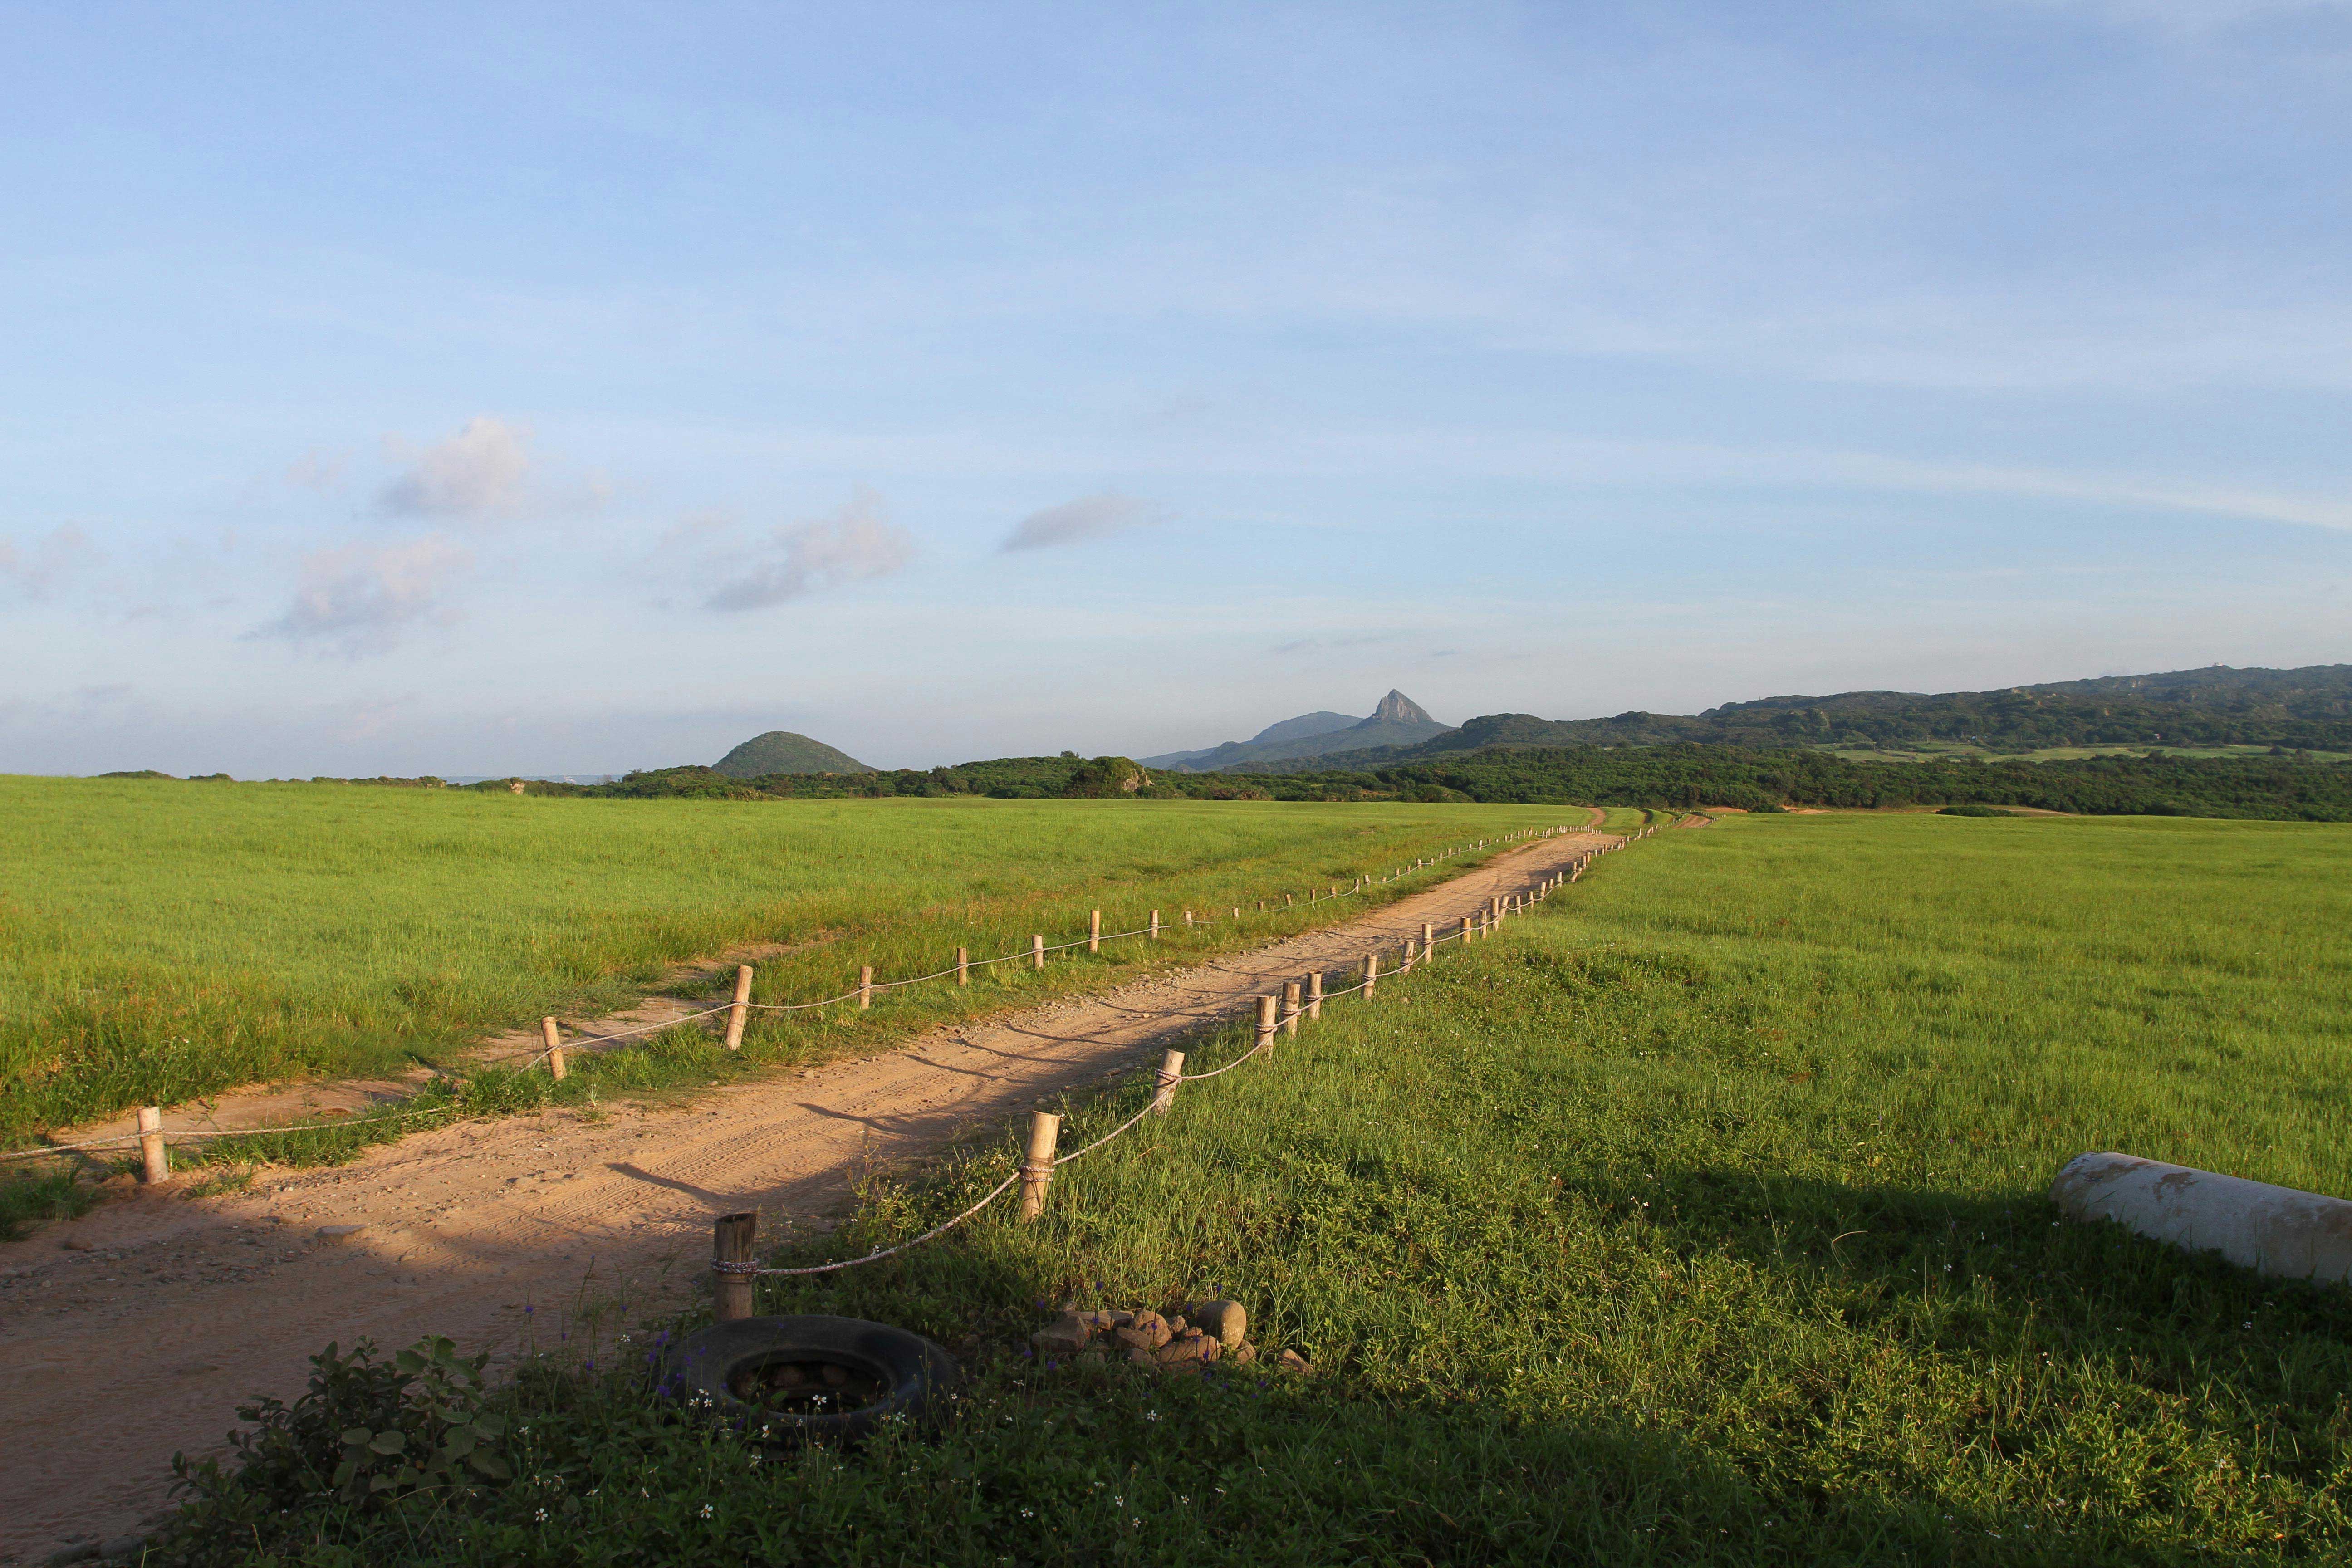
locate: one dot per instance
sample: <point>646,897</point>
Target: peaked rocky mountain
<point>1398,720</point>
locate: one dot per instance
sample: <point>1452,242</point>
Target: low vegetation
<point>161,941</point>
<point>1699,1218</point>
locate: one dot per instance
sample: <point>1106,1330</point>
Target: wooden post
<point>1237,910</point>
<point>1094,931</point>
<point>1314,994</point>
<point>1155,925</point>
<point>1428,942</point>
<point>1290,995</point>
<point>554,1039</point>
<point>1410,947</point>
<point>1468,935</point>
<point>741,1012</point>
<point>1287,900</point>
<point>731,1242</point>
<point>1172,1073</point>
<point>963,966</point>
<point>155,1159</point>
<point>1265,1041</point>
<point>1371,974</point>
<point>865,987</point>
<point>1036,952</point>
<point>1037,1166</point>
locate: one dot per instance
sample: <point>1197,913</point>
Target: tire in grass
<point>811,1378</point>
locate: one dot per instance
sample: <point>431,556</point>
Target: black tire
<point>918,1379</point>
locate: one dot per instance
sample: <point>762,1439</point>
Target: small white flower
<point>706,1510</point>
<point>543,1516</point>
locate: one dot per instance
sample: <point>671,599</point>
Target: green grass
<point>1700,1218</point>
<point>164,941</point>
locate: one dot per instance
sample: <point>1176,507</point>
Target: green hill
<point>782,752</point>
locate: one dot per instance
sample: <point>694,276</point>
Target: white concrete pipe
<point>2272,1230</point>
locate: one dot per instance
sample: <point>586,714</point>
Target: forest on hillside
<point>2281,786</point>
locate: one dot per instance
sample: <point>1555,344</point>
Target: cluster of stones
<point>1181,1341</point>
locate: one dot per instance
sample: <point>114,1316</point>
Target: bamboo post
<point>963,966</point>
<point>731,1242</point>
<point>1172,1073</point>
<point>865,987</point>
<point>1037,1167</point>
<point>1371,974</point>
<point>1428,941</point>
<point>1290,1009</point>
<point>554,1039</point>
<point>1314,994</point>
<point>1094,931</point>
<point>1036,952</point>
<point>1265,1041</point>
<point>155,1159</point>
<point>1410,947</point>
<point>1468,935</point>
<point>1287,900</point>
<point>740,1013</point>
<point>1155,925</point>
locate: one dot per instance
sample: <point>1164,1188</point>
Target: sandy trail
<point>133,1333</point>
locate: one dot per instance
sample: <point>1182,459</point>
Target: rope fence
<point>734,1270</point>
<point>153,1141</point>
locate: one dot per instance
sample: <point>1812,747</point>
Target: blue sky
<point>575,388</point>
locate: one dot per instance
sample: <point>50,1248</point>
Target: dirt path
<point>133,1333</point>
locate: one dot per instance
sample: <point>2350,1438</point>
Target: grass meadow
<point>161,941</point>
<point>1699,1217</point>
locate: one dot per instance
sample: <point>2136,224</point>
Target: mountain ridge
<point>1396,720</point>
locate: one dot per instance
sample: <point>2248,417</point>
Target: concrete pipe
<point>2272,1230</point>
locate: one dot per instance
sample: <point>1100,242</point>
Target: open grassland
<point>1698,1218</point>
<point>161,941</point>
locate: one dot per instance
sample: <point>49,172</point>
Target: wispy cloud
<point>481,472</point>
<point>1088,516</point>
<point>34,569</point>
<point>856,543</point>
<point>358,600</point>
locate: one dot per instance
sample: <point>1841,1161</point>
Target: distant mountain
<point>1397,721</point>
<point>782,752</point>
<point>2307,709</point>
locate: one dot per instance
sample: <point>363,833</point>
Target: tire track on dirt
<point>133,1333</point>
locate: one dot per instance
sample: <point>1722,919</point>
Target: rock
<point>338,1232</point>
<point>1106,1321</point>
<point>1291,1360</point>
<point>1177,1325</point>
<point>80,1552</point>
<point>1142,1336</point>
<point>1243,1353</point>
<point>123,1547</point>
<point>1091,1358</point>
<point>1065,1335</point>
<point>1141,1357</point>
<point>1181,1354</point>
<point>1224,1319</point>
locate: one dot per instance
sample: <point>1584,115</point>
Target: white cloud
<point>357,600</point>
<point>1088,516</point>
<point>482,471</point>
<point>36,568</point>
<point>316,470</point>
<point>855,545</point>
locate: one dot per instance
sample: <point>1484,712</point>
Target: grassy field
<point>159,941</point>
<point>1700,1218</point>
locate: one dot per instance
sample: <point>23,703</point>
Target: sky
<point>500,388</point>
